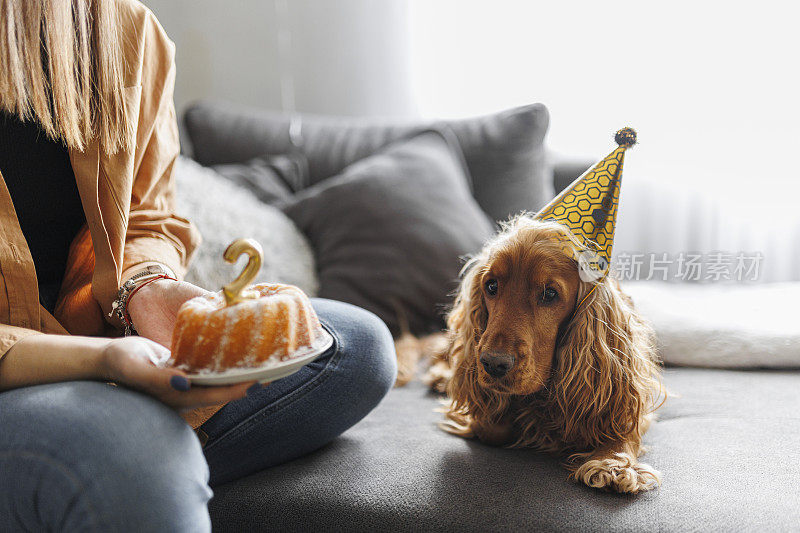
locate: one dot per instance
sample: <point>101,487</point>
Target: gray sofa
<point>727,442</point>
<point>728,446</point>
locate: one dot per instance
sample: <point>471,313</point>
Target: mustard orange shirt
<point>127,197</point>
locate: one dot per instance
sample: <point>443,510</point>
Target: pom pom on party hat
<point>588,207</point>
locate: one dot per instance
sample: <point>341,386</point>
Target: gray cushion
<point>273,179</point>
<point>504,151</point>
<point>223,213</point>
<point>729,449</point>
<point>389,231</point>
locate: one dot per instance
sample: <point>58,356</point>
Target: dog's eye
<point>549,295</point>
<point>491,287</point>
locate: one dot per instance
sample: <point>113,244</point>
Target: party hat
<point>588,207</point>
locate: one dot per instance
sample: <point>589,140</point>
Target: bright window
<point>713,89</point>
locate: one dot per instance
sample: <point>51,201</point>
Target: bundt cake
<point>240,328</point>
<point>279,324</point>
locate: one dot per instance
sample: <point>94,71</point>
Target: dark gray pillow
<point>504,151</point>
<point>388,233</point>
<point>273,179</point>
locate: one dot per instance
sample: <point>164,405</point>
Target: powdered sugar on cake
<point>273,329</point>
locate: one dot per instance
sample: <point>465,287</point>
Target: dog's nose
<point>497,365</point>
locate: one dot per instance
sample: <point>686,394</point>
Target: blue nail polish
<point>179,383</point>
<point>254,388</point>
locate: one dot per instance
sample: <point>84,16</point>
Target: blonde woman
<point>88,142</point>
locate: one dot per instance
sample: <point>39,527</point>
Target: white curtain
<point>684,220</point>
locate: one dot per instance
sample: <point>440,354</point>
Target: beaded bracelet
<point>119,307</point>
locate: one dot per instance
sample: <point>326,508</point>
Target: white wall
<point>224,49</point>
<point>348,57</point>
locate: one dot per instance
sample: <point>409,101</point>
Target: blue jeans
<point>85,456</point>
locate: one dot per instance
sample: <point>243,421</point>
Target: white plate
<point>268,372</point>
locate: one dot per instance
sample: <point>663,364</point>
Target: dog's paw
<point>455,422</point>
<point>438,376</point>
<point>435,345</point>
<point>409,351</point>
<point>619,473</point>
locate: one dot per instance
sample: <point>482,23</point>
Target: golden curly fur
<point>583,383</point>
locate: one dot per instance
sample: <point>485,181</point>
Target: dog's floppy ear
<point>606,377</point>
<point>467,319</point>
<point>466,322</point>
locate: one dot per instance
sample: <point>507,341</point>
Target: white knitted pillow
<point>224,212</point>
<point>723,326</point>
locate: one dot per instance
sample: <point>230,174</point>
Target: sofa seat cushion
<point>728,446</point>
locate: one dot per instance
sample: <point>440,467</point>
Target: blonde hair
<point>61,64</point>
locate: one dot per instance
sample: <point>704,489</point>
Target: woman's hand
<point>132,361</point>
<point>154,307</point>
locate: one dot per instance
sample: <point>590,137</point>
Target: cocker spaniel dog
<point>538,358</point>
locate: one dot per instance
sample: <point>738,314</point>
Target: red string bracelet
<point>134,291</point>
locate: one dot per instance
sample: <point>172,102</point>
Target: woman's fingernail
<point>179,383</point>
<point>255,387</point>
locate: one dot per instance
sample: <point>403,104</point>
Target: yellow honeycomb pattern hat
<point>588,207</point>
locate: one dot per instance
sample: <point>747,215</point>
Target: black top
<point>39,176</point>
